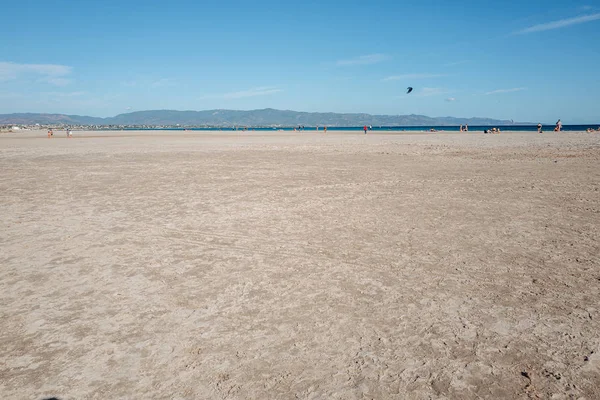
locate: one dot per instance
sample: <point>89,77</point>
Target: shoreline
<point>200,132</point>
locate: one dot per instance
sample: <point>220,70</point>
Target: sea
<point>472,128</point>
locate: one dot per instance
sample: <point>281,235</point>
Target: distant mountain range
<point>252,118</point>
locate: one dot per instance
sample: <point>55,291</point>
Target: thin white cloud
<point>450,99</point>
<point>49,73</point>
<point>63,94</point>
<point>363,60</point>
<point>162,82</point>
<point>455,63</point>
<point>559,24</point>
<point>506,90</point>
<point>431,91</point>
<point>259,91</point>
<point>144,82</point>
<point>58,81</point>
<point>7,95</point>
<point>411,76</point>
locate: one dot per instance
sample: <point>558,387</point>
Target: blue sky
<point>523,60</point>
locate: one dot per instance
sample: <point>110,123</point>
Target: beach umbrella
<point>408,90</point>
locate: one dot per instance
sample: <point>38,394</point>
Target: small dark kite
<point>408,90</point>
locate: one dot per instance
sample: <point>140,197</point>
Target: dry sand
<point>297,265</point>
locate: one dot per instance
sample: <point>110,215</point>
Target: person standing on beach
<point>558,126</point>
<point>466,128</point>
<point>325,129</point>
<point>365,129</point>
<point>539,128</point>
<point>461,127</point>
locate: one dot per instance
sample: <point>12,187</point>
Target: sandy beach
<point>259,265</point>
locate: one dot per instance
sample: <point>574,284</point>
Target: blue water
<point>480,128</point>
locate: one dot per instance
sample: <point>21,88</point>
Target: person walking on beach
<point>539,128</point>
<point>461,127</point>
<point>558,126</point>
<point>325,129</point>
<point>50,133</point>
<point>365,129</point>
<point>466,128</point>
